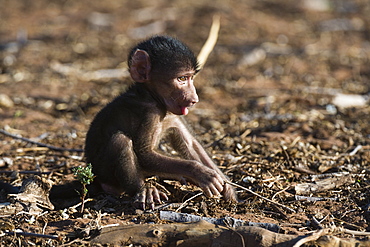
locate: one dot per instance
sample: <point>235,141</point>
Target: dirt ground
<point>284,100</point>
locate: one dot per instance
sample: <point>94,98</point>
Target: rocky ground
<point>284,105</point>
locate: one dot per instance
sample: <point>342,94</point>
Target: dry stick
<point>30,234</point>
<point>25,172</point>
<point>77,240</point>
<point>281,191</point>
<point>316,235</point>
<point>316,223</point>
<point>80,203</point>
<point>216,141</point>
<point>339,230</point>
<point>312,237</point>
<point>262,197</point>
<point>355,150</point>
<point>41,144</point>
<point>211,41</point>
<point>185,202</point>
<point>238,233</point>
<point>357,233</point>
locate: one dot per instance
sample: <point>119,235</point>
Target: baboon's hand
<point>148,196</point>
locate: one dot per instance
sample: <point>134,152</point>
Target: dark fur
<point>122,141</point>
<point>166,53</point>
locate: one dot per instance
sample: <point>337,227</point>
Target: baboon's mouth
<point>184,110</point>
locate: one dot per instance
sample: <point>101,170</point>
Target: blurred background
<point>63,60</point>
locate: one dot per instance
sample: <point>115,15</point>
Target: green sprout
<point>85,176</point>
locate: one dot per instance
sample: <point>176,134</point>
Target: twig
<point>262,197</point>
<point>339,230</point>
<point>77,240</point>
<point>164,206</point>
<point>352,153</point>
<point>314,199</point>
<point>24,172</point>
<point>211,41</point>
<point>34,149</point>
<point>313,237</point>
<point>41,144</point>
<point>245,133</point>
<point>217,141</point>
<point>317,234</point>
<point>43,229</point>
<point>287,156</point>
<point>295,141</point>
<point>316,223</point>
<point>281,191</point>
<point>109,225</point>
<point>355,150</point>
<point>326,175</point>
<point>30,234</point>
<point>357,233</point>
<point>80,203</point>
<point>185,202</point>
<point>239,234</point>
<point>342,222</point>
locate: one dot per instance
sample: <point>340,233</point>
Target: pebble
<point>100,20</point>
<point>6,162</point>
<point>349,100</point>
<point>6,101</point>
<point>317,5</point>
<point>4,78</point>
<point>255,56</point>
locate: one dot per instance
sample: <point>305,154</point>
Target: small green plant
<point>85,176</point>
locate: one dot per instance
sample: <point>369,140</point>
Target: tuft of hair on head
<point>167,54</point>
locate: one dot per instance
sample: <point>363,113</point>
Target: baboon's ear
<point>140,66</point>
